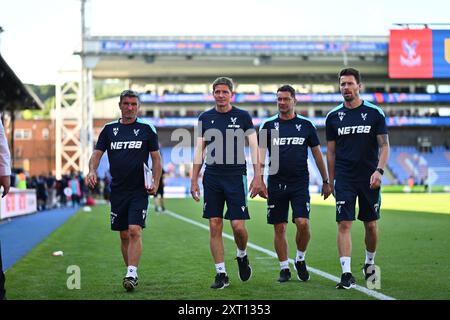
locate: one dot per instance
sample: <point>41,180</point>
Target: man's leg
<point>133,256</point>
<point>344,239</point>
<point>280,241</point>
<point>124,242</point>
<point>281,248</point>
<point>240,234</point>
<point>241,238</point>
<point>303,235</point>
<point>135,245</point>
<point>163,207</point>
<point>344,242</point>
<point>157,205</point>
<point>216,245</point>
<point>371,235</point>
<point>302,238</point>
<point>215,239</point>
<point>369,213</point>
<point>371,238</point>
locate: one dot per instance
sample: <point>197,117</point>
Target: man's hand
<point>326,191</point>
<point>91,179</point>
<point>263,193</point>
<point>5,182</point>
<point>331,184</point>
<point>375,180</point>
<point>153,188</point>
<point>195,191</point>
<point>255,187</point>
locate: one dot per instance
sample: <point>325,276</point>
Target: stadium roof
<point>155,58</point>
<point>14,95</point>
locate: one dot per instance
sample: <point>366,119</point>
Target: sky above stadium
<point>40,36</point>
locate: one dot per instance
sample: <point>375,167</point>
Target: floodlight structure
<point>74,126</point>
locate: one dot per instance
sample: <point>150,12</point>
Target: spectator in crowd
<point>41,193</point>
<point>74,185</point>
<point>411,182</point>
<point>51,190</point>
<point>21,180</point>
<point>159,196</point>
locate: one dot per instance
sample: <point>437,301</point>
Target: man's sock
<point>220,267</point>
<point>300,256</point>
<point>241,253</point>
<point>345,264</point>
<point>284,264</point>
<point>131,272</point>
<point>370,257</point>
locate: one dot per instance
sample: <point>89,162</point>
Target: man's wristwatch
<point>381,171</point>
<point>326,181</point>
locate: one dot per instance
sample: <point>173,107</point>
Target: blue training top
<point>128,147</point>
<point>355,132</point>
<point>224,134</point>
<point>291,139</point>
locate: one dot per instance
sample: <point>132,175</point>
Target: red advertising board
<point>411,54</point>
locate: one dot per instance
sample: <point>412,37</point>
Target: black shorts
<point>280,195</point>
<point>220,189</point>
<point>128,207</point>
<point>369,201</point>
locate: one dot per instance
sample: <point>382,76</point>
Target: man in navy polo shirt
<point>222,132</point>
<point>129,141</point>
<point>287,137</point>
<point>357,153</point>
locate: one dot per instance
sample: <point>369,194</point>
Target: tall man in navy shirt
<point>222,132</point>
<point>358,150</point>
<point>287,137</point>
<point>128,142</point>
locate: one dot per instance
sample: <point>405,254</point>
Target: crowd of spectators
<point>70,190</point>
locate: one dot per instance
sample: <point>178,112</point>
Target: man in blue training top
<point>128,142</point>
<point>287,137</point>
<point>222,131</point>
<point>357,153</point>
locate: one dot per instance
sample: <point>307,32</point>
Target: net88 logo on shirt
<point>120,145</point>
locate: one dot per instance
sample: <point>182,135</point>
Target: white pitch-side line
<point>321,273</point>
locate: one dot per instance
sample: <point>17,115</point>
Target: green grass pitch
<point>413,254</point>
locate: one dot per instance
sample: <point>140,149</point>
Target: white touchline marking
<point>371,293</point>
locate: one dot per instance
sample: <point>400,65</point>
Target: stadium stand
<point>406,162</point>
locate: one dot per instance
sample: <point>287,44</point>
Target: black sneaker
<point>368,271</point>
<point>302,272</point>
<point>245,271</point>
<point>347,281</point>
<point>129,283</point>
<point>285,275</point>
<point>220,281</point>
